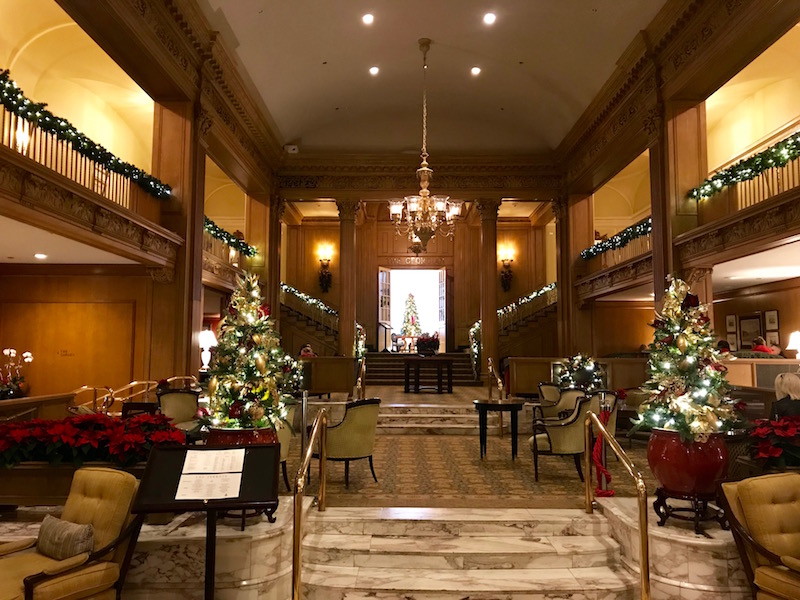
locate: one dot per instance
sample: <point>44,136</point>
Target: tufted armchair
<point>354,437</point>
<point>561,436</point>
<point>100,497</point>
<point>764,513</point>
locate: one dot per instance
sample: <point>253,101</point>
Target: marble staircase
<point>388,368</point>
<point>451,554</point>
<point>433,418</point>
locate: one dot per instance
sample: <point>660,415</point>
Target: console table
<point>437,362</point>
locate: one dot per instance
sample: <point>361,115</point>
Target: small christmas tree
<point>581,372</point>
<point>688,387</point>
<point>411,318</point>
<point>252,378</point>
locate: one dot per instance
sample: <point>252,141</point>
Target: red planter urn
<point>219,436</point>
<point>687,469</point>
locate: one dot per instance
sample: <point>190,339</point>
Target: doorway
<point>411,294</point>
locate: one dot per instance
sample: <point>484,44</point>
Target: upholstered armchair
<point>549,394</point>
<point>567,399</point>
<point>180,406</point>
<point>100,497</point>
<point>764,513</point>
<point>284,431</point>
<point>561,436</point>
<point>353,438</point>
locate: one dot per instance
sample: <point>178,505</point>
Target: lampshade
<point>207,339</point>
<point>794,341</point>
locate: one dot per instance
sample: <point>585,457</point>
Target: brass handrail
<point>361,391</point>
<point>319,430</point>
<point>107,399</point>
<point>641,490</point>
<point>119,394</point>
<point>498,380</point>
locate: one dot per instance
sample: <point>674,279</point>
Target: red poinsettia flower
<point>785,428</point>
<point>762,431</point>
<point>767,450</point>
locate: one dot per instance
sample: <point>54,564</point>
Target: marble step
<point>439,522</point>
<point>322,582</point>
<point>465,552</point>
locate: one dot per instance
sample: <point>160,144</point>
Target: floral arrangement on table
<point>688,387</point>
<point>428,343</point>
<point>252,378</point>
<point>11,378</point>
<point>776,443</point>
<point>581,372</point>
<point>82,438</point>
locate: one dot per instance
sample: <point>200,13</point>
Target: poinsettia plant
<point>777,443</point>
<point>83,438</point>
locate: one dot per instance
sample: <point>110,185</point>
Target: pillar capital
<point>560,208</point>
<point>278,206</point>
<point>488,207</point>
<point>348,209</point>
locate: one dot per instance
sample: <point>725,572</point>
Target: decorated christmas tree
<point>687,386</point>
<point>410,318</point>
<point>252,378</point>
<point>581,372</point>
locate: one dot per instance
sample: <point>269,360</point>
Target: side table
<point>484,406</point>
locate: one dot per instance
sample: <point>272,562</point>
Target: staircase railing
<point>641,491</point>
<point>511,316</point>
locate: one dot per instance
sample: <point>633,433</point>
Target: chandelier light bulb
<point>476,70</point>
<point>368,19</point>
<point>374,71</point>
<point>489,18</point>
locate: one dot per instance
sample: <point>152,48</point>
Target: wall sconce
<point>207,340</point>
<point>324,253</point>
<point>506,255</point>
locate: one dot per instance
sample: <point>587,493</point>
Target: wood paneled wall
<point>620,327</point>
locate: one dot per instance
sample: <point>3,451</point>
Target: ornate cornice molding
<point>628,274</point>
<point>218,273</point>
<point>738,233</point>
<point>50,203</point>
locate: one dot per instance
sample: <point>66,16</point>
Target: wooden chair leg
<point>372,468</point>
<point>285,476</point>
<point>535,460</point>
<point>577,458</point>
<point>346,473</point>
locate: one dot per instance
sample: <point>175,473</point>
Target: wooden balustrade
<point>314,312</point>
<point>635,248</point>
<point>45,148</point>
<point>222,251</point>
<point>514,314</point>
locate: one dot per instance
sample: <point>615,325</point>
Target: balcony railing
<point>45,148</point>
<point>221,250</point>
<point>631,242</point>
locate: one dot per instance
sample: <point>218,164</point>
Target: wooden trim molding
<point>219,274</point>
<point>35,195</point>
<point>632,273</point>
<point>742,233</point>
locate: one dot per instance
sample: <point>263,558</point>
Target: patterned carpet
<point>446,471</point>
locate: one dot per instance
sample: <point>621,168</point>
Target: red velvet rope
<point>597,456</point>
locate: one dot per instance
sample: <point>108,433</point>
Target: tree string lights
<point>228,238</point>
<point>14,101</point>
<point>776,156</point>
<point>620,240</point>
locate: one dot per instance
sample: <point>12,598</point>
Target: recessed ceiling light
<point>489,18</point>
<point>476,70</point>
<point>368,19</point>
<point>40,256</point>
<point>374,70</point>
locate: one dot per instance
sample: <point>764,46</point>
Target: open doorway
<point>407,296</point>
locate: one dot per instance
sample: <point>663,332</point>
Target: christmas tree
<point>687,386</point>
<point>581,372</point>
<point>410,318</point>
<point>252,378</point>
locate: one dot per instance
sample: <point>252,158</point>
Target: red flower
<point>785,428</point>
<point>767,450</point>
<point>235,411</point>
<point>762,431</point>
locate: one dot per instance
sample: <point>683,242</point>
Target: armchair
<point>561,436</point>
<point>567,399</point>
<point>764,513</point>
<point>354,437</point>
<point>180,406</point>
<point>100,497</point>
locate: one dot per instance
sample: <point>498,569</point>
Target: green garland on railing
<point>620,240</point>
<point>525,299</point>
<point>234,242</point>
<point>749,168</point>
<point>15,101</point>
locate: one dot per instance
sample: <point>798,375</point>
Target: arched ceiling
<point>542,62</point>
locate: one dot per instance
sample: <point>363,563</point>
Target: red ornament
<point>235,411</point>
<point>264,310</point>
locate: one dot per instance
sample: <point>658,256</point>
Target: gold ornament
<point>684,364</point>
<point>682,343</point>
<point>261,364</point>
<point>256,412</point>
<point>256,338</point>
<point>212,386</point>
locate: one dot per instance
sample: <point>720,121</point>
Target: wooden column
<point>490,334</point>
<point>347,274</point>
<point>178,298</point>
<point>272,284</point>
<point>563,274</point>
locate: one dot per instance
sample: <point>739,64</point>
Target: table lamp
<point>207,341</point>
<point>794,342</point>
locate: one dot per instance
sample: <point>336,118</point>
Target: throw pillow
<point>61,539</point>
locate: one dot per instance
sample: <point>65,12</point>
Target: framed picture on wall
<point>773,338</point>
<point>732,341</point>
<point>749,328</point>
<point>730,324</point>
<point>771,320</point>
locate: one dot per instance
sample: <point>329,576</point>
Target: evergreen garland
<point>620,240</point>
<point>749,168</point>
<point>234,242</point>
<point>14,101</point>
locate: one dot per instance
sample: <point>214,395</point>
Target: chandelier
<point>423,216</point>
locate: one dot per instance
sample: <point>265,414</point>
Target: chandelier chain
<point>424,154</point>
